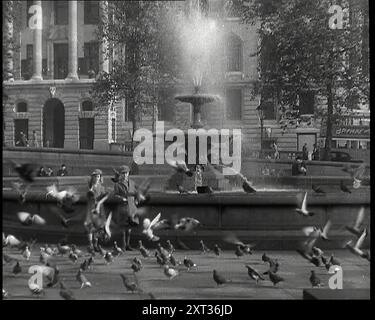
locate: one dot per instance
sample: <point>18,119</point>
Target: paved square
<point>197,283</point>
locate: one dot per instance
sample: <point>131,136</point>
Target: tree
<point>308,54</point>
<point>141,36</point>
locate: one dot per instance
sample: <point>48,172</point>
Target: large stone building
<point>48,88</point>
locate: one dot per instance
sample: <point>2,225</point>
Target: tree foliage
<point>141,36</point>
<point>304,53</point>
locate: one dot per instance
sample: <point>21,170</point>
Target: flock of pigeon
<point>165,257</point>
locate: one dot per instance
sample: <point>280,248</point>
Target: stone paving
<point>197,283</point>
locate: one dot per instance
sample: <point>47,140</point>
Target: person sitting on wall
<point>62,171</point>
<point>22,142</point>
<point>49,172</point>
<point>42,172</point>
<point>305,152</point>
<point>299,167</point>
<point>316,153</point>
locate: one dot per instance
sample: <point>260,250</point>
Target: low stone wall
<point>267,218</point>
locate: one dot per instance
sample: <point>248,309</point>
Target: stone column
<point>8,41</point>
<point>73,48</point>
<point>37,47</point>
<point>103,50</point>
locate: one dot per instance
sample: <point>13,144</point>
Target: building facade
<point>48,90</point>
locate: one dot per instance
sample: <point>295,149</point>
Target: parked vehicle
<point>342,157</point>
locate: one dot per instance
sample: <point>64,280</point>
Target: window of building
<point>342,144</point>
<point>113,123</point>
<point>87,106</point>
<point>233,104</point>
<point>60,60</point>
<point>21,132</point>
<point>44,67</point>
<point>27,64</point>
<point>86,133</point>
<point>306,102</point>
<point>61,12</point>
<point>268,103</point>
<point>112,130</point>
<point>268,60</point>
<point>128,112</point>
<point>234,53</point>
<point>90,63</point>
<point>91,12</point>
<point>166,105</point>
<point>21,107</point>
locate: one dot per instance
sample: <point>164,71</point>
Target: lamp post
<point>261,118</point>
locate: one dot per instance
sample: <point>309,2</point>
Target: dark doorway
<point>61,54</point>
<point>86,133</point>
<point>53,124</point>
<point>21,125</point>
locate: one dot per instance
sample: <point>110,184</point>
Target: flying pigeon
<point>306,252</point>
<point>317,232</point>
<point>180,166</point>
<point>25,171</point>
<point>10,241</point>
<point>148,228</point>
<point>65,198</point>
<point>28,219</point>
<point>187,224</point>
<point>356,174</point>
<point>356,249</point>
<point>21,190</point>
<point>232,238</point>
<point>303,210</point>
<point>356,229</point>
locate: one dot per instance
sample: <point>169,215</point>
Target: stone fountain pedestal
<point>210,178</point>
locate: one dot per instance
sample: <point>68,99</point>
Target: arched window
<point>234,53</point>
<point>87,106</point>
<point>21,107</point>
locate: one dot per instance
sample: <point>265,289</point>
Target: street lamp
<point>261,118</point>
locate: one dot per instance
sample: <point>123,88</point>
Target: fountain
<point>198,100</point>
